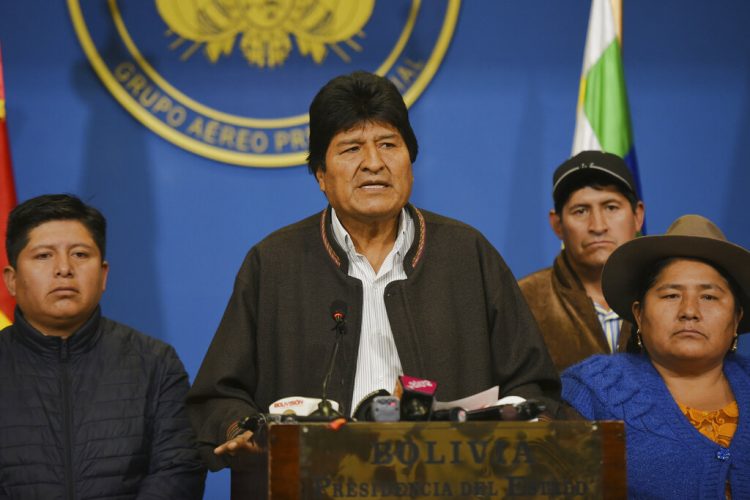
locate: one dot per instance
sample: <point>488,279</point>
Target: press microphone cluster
<point>413,399</point>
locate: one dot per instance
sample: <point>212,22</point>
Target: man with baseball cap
<point>596,210</point>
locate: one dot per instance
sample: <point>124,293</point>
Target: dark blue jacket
<point>99,415</point>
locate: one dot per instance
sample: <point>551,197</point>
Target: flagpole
<point>617,15</point>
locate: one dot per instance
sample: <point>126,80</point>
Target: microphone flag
<point>416,397</point>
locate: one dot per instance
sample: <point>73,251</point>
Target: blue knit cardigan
<point>666,456</point>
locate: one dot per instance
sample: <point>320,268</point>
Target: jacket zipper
<point>67,419</point>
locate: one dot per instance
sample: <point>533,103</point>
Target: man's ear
<point>555,222</point>
<point>105,273</point>
<point>640,213</point>
<point>320,175</point>
<point>9,276</point>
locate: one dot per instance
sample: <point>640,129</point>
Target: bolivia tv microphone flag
<point>603,115</point>
<point>7,202</point>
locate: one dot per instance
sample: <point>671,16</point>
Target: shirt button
<point>723,454</point>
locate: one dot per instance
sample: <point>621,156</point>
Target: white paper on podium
<point>473,402</point>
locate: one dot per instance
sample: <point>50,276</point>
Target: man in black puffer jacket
<point>89,408</point>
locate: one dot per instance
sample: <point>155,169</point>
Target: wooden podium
<point>561,459</point>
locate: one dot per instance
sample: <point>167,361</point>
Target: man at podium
<point>420,294</point>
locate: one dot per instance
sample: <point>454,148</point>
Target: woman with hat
<point>685,397</point>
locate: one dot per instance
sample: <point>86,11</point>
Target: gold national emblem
<point>231,80</point>
<point>263,30</point>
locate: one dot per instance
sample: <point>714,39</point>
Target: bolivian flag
<point>603,115</point>
<point>7,202</point>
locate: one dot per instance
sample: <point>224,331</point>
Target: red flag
<point>7,202</point>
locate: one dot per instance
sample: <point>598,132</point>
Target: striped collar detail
<point>324,236</point>
<point>337,260</point>
<point>422,238</point>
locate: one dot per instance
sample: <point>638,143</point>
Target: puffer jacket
<point>99,415</point>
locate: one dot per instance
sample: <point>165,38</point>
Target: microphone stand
<point>325,409</point>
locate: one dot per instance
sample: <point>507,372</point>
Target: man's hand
<point>243,443</point>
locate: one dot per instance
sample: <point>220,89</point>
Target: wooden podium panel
<point>565,459</point>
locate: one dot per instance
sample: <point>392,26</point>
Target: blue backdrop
<point>493,124</point>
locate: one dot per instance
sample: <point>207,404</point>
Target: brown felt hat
<point>690,236</point>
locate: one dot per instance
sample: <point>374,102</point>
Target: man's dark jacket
<point>566,315</point>
<point>459,319</point>
<point>97,416</point>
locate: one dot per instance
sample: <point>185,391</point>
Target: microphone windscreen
<point>338,310</point>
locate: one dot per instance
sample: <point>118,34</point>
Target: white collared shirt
<point>378,364</point>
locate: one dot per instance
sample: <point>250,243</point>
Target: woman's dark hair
<point>47,208</point>
<point>350,100</point>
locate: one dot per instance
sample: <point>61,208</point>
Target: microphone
<point>325,410</point>
<point>338,312</point>
<point>525,410</point>
<point>386,409</point>
<point>455,414</point>
<point>417,396</point>
<point>365,409</point>
<point>297,405</point>
<point>258,425</point>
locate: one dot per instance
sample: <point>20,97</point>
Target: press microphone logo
<point>417,384</point>
<point>423,385</point>
<point>297,405</point>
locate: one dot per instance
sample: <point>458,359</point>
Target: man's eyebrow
<point>702,286</point>
<point>52,245</point>
<point>352,140</point>
<point>359,140</point>
<point>581,204</point>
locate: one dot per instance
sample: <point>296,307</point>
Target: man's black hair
<point>351,100</point>
<point>595,180</point>
<point>47,208</point>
